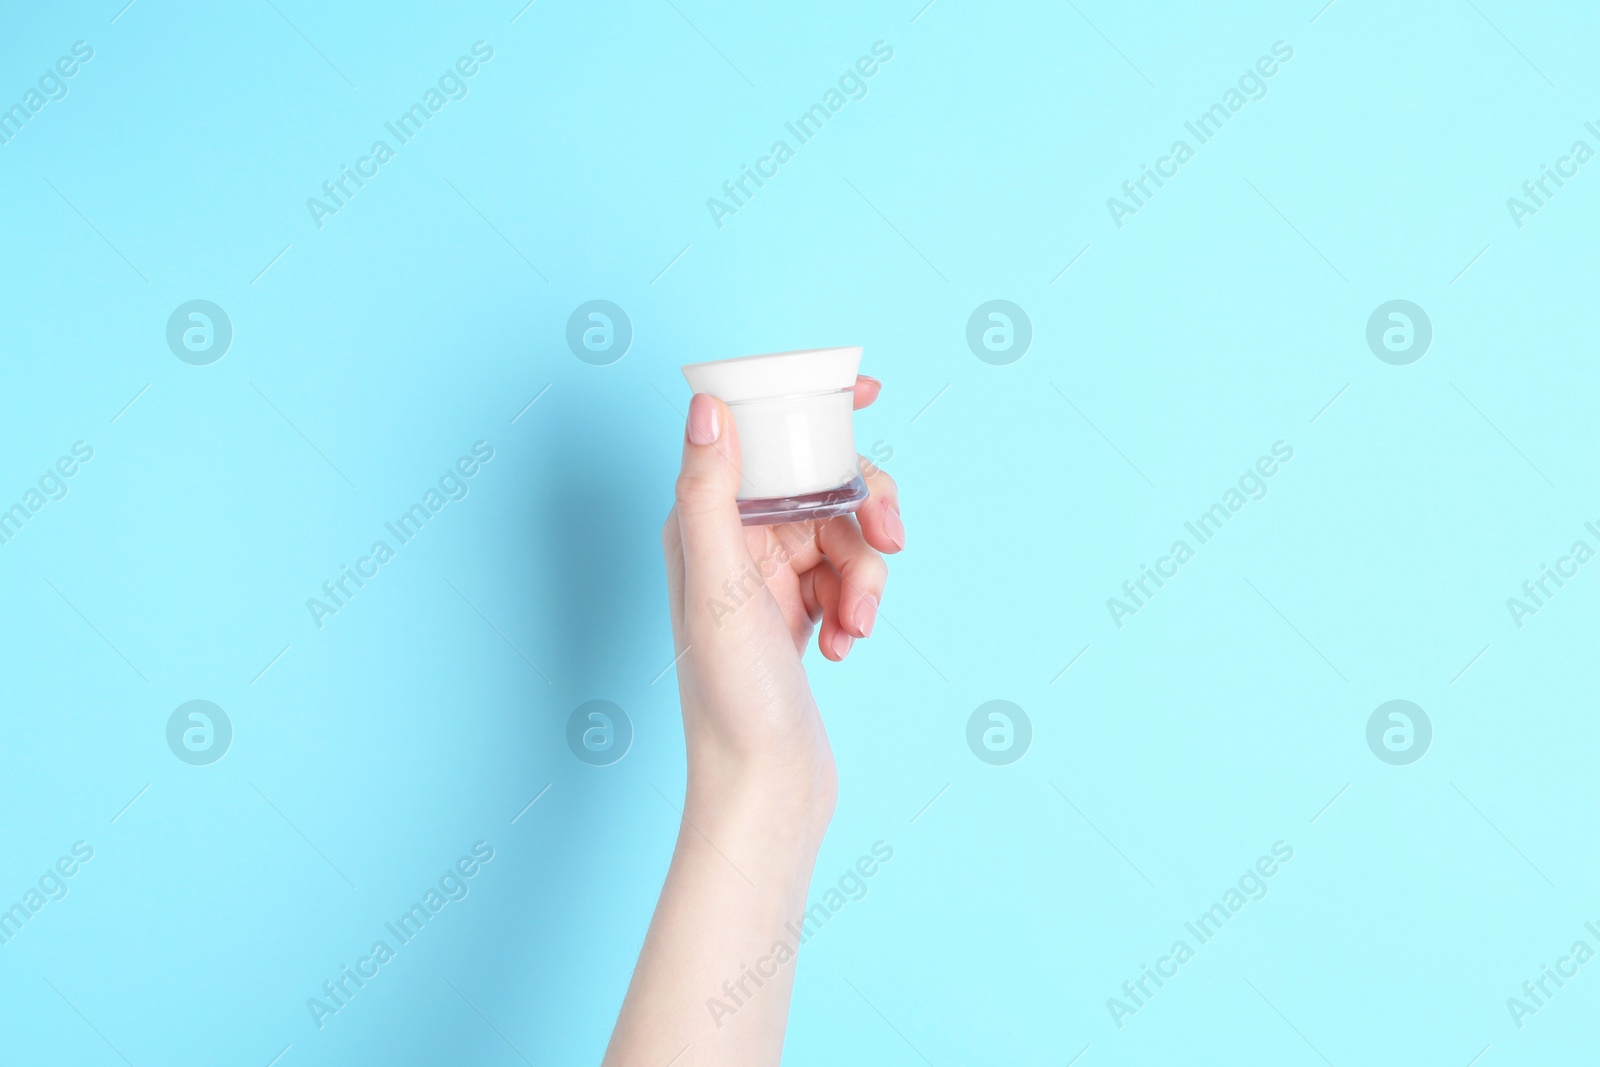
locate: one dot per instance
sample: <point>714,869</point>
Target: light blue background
<point>374,351</point>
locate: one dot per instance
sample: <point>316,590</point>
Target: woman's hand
<point>714,977</point>
<point>745,600</point>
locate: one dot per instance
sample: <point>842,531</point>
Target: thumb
<point>707,499</point>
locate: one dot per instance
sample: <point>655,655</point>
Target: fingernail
<point>874,381</point>
<point>866,615</point>
<point>705,421</point>
<point>896,527</point>
<point>841,644</point>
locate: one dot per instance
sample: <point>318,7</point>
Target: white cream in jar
<point>797,445</point>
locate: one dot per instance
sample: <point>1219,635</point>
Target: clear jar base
<point>811,506</point>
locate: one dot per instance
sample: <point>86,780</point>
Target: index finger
<point>867,390</point>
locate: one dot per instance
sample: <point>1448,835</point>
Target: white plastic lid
<point>812,370</point>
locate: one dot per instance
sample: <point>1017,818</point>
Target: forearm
<point>718,964</point>
<point>714,977</point>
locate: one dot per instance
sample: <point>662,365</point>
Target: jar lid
<point>811,370</point>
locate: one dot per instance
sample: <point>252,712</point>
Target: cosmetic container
<point>796,441</point>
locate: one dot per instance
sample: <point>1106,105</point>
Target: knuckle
<point>871,571</point>
<point>696,492</point>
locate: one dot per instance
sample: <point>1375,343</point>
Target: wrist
<point>791,801</point>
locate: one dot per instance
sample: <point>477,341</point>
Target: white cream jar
<point>796,441</point>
